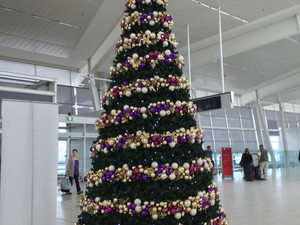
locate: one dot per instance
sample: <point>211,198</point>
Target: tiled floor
<point>275,201</point>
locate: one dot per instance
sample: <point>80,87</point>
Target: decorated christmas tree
<point>149,167</point>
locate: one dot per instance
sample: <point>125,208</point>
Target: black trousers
<point>76,181</point>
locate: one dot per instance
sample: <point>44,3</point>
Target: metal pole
<point>221,50</point>
<point>189,58</point>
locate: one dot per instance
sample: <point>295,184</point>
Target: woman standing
<point>73,170</point>
<point>248,165</point>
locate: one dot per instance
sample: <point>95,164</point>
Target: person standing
<point>263,159</point>
<point>73,170</point>
<point>209,155</point>
<point>248,165</point>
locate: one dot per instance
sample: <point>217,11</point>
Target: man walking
<point>263,159</point>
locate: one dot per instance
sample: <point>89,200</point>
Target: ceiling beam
<point>17,55</point>
<point>247,37</point>
<point>278,86</point>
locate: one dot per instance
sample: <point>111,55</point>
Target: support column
<point>257,124</point>
<point>268,144</point>
<point>221,50</point>
<point>189,58</point>
<point>95,96</point>
<point>283,133</point>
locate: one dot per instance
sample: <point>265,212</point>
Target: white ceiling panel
<point>75,12</point>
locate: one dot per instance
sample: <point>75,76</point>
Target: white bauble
<point>154,165</point>
<point>125,107</point>
<point>153,175</point>
<point>124,146</point>
<point>111,168</point>
<point>206,166</point>
<point>172,36</point>
<point>171,88</point>
<point>132,35</point>
<point>214,184</point>
<point>172,176</point>
<point>133,146</point>
<point>199,161</point>
<point>177,216</point>
<point>135,56</point>
<point>137,201</point>
<point>133,6</point>
<point>129,173</point>
<point>91,185</point>
<point>97,183</point>
<point>163,176</point>
<point>162,113</point>
<point>84,209</point>
<point>168,52</point>
<point>138,89</point>
<point>186,166</point>
<point>156,77</point>
<point>159,2</point>
<point>180,58</point>
<point>121,49</point>
<point>148,32</point>
<point>192,141</point>
<point>182,129</point>
<point>128,93</point>
<point>200,194</point>
<point>113,112</point>
<point>172,144</point>
<point>154,216</point>
<point>193,212</point>
<point>144,116</point>
<point>153,35</point>
<point>212,202</point>
<point>178,103</point>
<point>187,203</point>
<point>98,147</point>
<point>105,150</point>
<point>143,109</point>
<point>165,44</point>
<point>165,24</point>
<point>111,68</point>
<point>139,133</point>
<point>174,166</point>
<point>119,65</point>
<point>144,90</point>
<point>151,23</point>
<point>97,199</point>
<point>125,166</point>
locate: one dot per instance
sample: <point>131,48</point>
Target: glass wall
<point>233,128</point>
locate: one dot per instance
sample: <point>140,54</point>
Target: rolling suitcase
<point>249,172</point>
<point>65,185</point>
<point>257,172</point>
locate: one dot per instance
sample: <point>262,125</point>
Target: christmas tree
<point>148,163</point>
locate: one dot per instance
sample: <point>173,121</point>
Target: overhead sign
<point>219,101</point>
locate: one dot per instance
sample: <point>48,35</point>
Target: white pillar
<point>283,133</point>
<point>94,92</point>
<point>189,58</point>
<point>268,144</point>
<point>257,125</point>
<point>29,163</point>
<point>221,51</point>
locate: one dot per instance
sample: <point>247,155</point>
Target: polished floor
<point>274,201</point>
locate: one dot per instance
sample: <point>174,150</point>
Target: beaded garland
<point>155,172</point>
<point>132,4</point>
<point>153,58</point>
<point>146,85</point>
<point>147,39</point>
<point>178,209</point>
<point>147,140</point>
<point>116,117</point>
<point>150,18</point>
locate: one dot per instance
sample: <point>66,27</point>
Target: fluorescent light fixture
<point>224,13</point>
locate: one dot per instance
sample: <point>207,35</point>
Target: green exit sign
<point>69,118</point>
